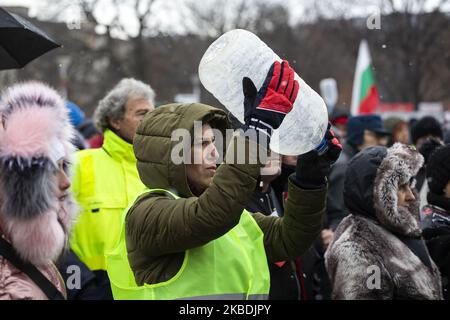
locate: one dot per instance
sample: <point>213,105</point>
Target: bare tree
<point>410,51</point>
<point>116,28</point>
<point>418,33</point>
<point>215,17</point>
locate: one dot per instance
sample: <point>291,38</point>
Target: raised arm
<point>289,237</point>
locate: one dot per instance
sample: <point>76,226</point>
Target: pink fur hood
<point>35,133</point>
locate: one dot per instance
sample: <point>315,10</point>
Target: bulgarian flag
<point>365,94</point>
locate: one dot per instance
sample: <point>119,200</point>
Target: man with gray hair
<point>124,107</point>
<point>106,180</point>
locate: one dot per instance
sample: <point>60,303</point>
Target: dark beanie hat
<point>438,169</point>
<point>424,127</point>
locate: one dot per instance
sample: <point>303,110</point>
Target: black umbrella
<point>20,41</point>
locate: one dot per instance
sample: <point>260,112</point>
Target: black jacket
<point>436,231</point>
<point>284,283</point>
<point>91,285</point>
<point>336,210</point>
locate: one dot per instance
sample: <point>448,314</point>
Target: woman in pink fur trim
<point>36,210</point>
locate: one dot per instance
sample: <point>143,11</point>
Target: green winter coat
<point>158,228</point>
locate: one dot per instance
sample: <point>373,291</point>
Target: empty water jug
<point>239,53</point>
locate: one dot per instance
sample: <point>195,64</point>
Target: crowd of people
<point>364,216</point>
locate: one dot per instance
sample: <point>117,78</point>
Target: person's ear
<point>115,124</point>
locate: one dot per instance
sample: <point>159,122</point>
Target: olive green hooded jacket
<point>159,229</point>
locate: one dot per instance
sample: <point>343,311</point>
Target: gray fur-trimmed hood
<point>372,180</point>
<point>398,168</point>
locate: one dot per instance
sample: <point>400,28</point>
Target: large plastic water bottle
<point>240,53</point>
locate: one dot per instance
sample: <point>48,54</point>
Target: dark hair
<point>428,147</point>
<point>438,169</point>
<point>427,126</point>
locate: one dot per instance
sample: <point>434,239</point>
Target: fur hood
<point>372,180</point>
<point>398,168</point>
<point>35,133</point>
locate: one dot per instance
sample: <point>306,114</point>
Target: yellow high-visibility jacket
<point>105,181</point>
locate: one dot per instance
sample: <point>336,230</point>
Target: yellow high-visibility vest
<point>105,181</point>
<point>233,266</point>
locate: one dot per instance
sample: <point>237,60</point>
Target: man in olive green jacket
<point>160,229</point>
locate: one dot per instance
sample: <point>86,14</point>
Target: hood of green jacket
<point>153,144</point>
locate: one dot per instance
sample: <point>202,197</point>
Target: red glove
<point>267,108</point>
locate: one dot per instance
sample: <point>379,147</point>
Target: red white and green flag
<point>365,94</point>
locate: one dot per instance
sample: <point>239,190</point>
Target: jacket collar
<point>118,148</point>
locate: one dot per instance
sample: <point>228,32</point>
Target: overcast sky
<point>169,11</point>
